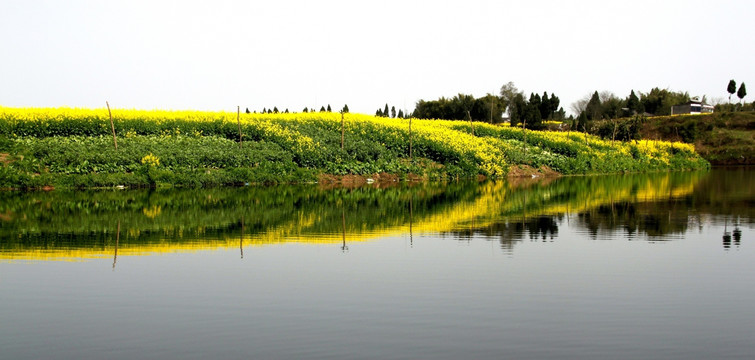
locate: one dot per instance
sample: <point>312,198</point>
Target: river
<point>623,266</point>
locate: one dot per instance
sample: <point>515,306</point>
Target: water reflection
<point>80,225</point>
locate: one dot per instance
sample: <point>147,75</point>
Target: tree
<point>401,114</point>
<point>508,94</point>
<point>329,110</point>
<point>579,106</point>
<point>612,107</point>
<point>659,101</point>
<point>286,111</point>
<point>322,108</point>
<point>385,111</point>
<point>393,111</point>
<point>379,113</point>
<point>582,122</point>
<point>247,111</point>
<point>545,107</point>
<point>633,103</point>
<point>555,102</point>
<point>742,92</point>
<point>593,109</point>
<point>305,110</point>
<point>517,108</point>
<point>275,109</point>
<point>732,88</point>
<point>345,108</point>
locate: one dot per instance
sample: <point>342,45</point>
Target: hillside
<point>726,138</point>
<point>63,147</point>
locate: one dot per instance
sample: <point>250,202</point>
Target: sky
<point>216,55</point>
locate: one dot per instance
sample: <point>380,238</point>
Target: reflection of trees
<point>736,234</point>
<point>653,204</point>
<point>654,219</point>
<point>543,228</point>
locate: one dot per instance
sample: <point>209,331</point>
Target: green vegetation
<point>73,148</point>
<point>722,138</point>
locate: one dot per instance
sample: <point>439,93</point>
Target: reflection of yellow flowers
<point>152,212</point>
<point>494,203</point>
<point>151,160</point>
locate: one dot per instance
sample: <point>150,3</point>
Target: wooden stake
<point>238,120</point>
<point>411,158</point>
<point>524,135</point>
<point>470,122</point>
<point>342,130</point>
<point>112,126</point>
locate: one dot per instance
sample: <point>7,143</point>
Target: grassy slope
<point>73,148</point>
<point>721,138</point>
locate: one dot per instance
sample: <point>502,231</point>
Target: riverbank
<point>75,148</point>
<point>722,138</point>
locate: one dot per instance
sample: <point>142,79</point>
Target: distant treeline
<point>491,108</point>
<point>275,110</point>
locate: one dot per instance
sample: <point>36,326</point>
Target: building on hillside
<point>691,107</point>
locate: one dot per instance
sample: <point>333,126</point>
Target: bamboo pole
<point>342,130</point>
<point>238,120</point>
<point>470,122</point>
<point>112,126</point>
<point>524,135</point>
<point>411,158</point>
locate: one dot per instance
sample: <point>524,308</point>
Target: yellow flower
<point>151,160</point>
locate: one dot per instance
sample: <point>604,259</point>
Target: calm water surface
<point>634,266</point>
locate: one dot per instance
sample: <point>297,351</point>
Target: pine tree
<point>545,107</point>
<point>247,111</point>
<point>328,110</point>
<point>345,109</point>
<point>401,114</point>
<point>593,108</point>
<point>275,109</point>
<point>582,122</point>
<point>322,108</point>
<point>732,88</point>
<point>286,111</point>
<point>633,103</point>
<point>379,113</point>
<point>385,111</point>
<point>393,112</point>
<point>305,110</point>
<point>742,92</point>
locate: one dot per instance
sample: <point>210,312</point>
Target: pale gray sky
<point>214,55</point>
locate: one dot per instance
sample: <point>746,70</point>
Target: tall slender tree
<point>633,103</point>
<point>732,88</point>
<point>593,108</point>
<point>742,92</point>
<point>393,111</point>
